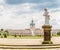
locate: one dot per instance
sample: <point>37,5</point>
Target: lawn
<point>26,37</point>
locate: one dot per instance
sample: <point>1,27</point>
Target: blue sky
<point>40,3</point>
<point>17,14</point>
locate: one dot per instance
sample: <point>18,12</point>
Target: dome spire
<point>32,23</point>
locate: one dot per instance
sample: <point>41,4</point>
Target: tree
<point>7,33</point>
<point>1,33</point>
<point>4,33</point>
<point>2,29</point>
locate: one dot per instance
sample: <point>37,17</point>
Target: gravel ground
<point>56,40</point>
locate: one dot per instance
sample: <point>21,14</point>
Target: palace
<point>32,31</point>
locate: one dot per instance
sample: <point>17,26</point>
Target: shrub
<point>15,35</point>
<point>19,35</point>
<point>5,35</point>
<point>58,33</point>
<point>1,36</point>
<point>0,33</point>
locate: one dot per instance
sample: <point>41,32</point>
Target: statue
<point>32,31</point>
<point>47,28</point>
<point>46,14</point>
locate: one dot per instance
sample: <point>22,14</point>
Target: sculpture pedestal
<point>47,34</point>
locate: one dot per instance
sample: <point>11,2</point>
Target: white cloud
<point>55,18</point>
<point>20,16</point>
<point>9,19</point>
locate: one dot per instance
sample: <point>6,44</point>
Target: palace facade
<point>32,31</point>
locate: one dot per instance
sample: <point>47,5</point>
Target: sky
<point>17,14</point>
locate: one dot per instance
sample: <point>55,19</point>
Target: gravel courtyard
<point>56,40</point>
